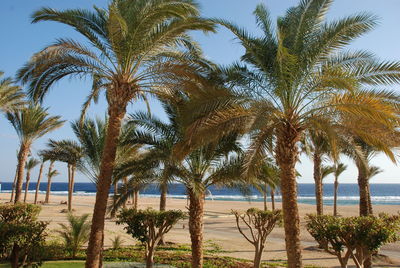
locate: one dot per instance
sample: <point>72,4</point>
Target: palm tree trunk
<point>287,156</point>
<point>13,185</point>
<point>364,203</point>
<point>196,212</point>
<point>126,190</point>
<point>135,199</point>
<point>163,196</point>
<point>69,182</point>
<point>363,189</point>
<point>22,156</point>
<point>47,198</point>
<point>28,178</point>
<point>265,200</point>
<point>318,183</point>
<point>265,196</point>
<point>38,182</point>
<point>163,204</point>
<point>116,113</point>
<point>370,210</point>
<point>335,195</point>
<point>71,187</point>
<point>273,199</point>
<point>115,196</point>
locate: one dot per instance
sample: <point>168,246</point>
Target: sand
<point>219,227</point>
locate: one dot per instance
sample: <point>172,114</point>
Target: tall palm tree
<point>30,123</point>
<point>43,160</point>
<point>11,96</point>
<point>69,152</point>
<point>131,44</point>
<point>363,160</point>
<point>339,168</point>
<point>203,167</point>
<point>30,164</point>
<point>50,175</point>
<point>91,135</point>
<point>317,147</point>
<point>298,77</point>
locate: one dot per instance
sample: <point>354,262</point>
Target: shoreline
<point>219,227</point>
<point>309,200</point>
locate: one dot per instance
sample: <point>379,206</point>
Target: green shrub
<point>76,233</point>
<point>149,226</point>
<point>353,237</point>
<point>54,250</point>
<point>22,236</point>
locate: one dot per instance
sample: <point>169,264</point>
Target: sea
<point>384,194</point>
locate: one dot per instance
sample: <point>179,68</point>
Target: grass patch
<point>177,255</point>
<point>55,264</point>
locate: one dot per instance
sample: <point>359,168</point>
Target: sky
<point>20,39</point>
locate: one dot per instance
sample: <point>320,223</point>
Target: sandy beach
<point>220,228</point>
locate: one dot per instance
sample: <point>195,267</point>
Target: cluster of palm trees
<point>296,86</point>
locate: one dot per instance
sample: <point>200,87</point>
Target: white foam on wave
<point>379,199</point>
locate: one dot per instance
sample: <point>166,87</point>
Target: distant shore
<point>219,227</point>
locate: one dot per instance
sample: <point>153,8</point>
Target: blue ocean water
<point>387,194</point>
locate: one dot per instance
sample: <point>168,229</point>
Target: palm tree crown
<point>128,42</point>
<point>31,163</point>
<point>11,96</point>
<point>33,122</point>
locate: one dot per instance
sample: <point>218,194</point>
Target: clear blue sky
<point>20,39</point>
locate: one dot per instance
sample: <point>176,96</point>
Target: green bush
<point>22,236</point>
<point>149,226</point>
<point>353,237</point>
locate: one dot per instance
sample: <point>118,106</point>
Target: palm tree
<point>69,152</point>
<point>316,148</point>
<point>325,171</point>
<point>203,167</point>
<point>50,175</point>
<point>11,96</point>
<point>339,168</point>
<point>132,43</point>
<point>298,77</point>
<point>363,159</point>
<point>91,135</point>
<point>42,161</point>
<point>30,164</point>
<point>30,124</point>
